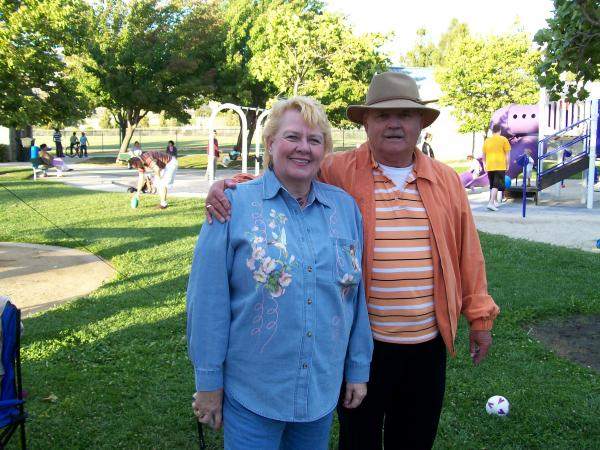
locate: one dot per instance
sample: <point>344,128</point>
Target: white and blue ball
<point>497,406</point>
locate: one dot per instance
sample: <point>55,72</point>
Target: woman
<point>277,318</point>
<point>136,150</point>
<point>427,146</point>
<point>50,160</point>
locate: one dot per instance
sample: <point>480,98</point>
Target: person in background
<point>427,150</point>
<point>73,144</point>
<point>83,145</point>
<point>275,303</point>
<point>526,160</point>
<point>422,266</point>
<point>136,150</point>
<point>57,138</point>
<point>162,166</point>
<point>217,153</point>
<point>50,160</point>
<point>171,149</point>
<point>496,158</point>
<point>474,166</point>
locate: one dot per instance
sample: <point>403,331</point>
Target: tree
<point>153,55</point>
<point>571,44</point>
<point>106,119</point>
<point>38,82</point>
<point>313,52</point>
<point>482,76</point>
<point>456,32</point>
<point>424,53</point>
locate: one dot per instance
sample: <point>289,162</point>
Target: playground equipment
<point>211,138</point>
<point>481,180</point>
<point>564,142</point>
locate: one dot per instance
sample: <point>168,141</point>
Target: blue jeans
<point>245,430</point>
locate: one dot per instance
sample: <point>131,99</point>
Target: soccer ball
<point>497,406</point>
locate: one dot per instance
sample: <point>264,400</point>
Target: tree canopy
<point>37,81</point>
<point>153,55</point>
<point>426,54</point>
<point>571,45</point>
<point>309,51</point>
<point>483,75</point>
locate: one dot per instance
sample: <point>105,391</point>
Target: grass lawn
<point>110,370</point>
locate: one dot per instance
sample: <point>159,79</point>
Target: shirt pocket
<point>346,267</point>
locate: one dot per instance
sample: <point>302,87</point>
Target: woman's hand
<point>217,205</point>
<point>354,395</point>
<point>208,408</point>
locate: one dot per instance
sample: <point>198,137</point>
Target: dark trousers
<point>404,399</point>
<point>59,149</point>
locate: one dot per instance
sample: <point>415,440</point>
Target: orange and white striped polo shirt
<point>400,301</point>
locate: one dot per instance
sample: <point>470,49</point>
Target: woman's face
<point>296,150</point>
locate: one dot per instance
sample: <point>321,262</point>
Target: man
<point>73,144</point>
<point>422,267</point>
<point>496,158</point>
<point>57,138</point>
<point>164,168</point>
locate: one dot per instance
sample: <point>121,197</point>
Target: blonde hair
<point>313,113</point>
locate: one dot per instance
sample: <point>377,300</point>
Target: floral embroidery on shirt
<point>348,268</point>
<point>274,274</point>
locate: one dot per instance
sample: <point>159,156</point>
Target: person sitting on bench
<point>51,161</point>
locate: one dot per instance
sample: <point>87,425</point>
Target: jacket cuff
<point>482,324</point>
<point>208,380</point>
<point>357,373</point>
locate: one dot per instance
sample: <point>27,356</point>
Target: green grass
<point>116,359</point>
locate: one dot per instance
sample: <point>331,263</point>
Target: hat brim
<point>356,113</point>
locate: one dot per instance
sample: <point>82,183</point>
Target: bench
<point>123,157</point>
<point>39,167</point>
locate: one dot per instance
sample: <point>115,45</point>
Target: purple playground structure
<point>520,125</point>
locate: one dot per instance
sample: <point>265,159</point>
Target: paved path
<point>38,277</point>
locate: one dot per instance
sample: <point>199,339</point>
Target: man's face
<point>393,135</point>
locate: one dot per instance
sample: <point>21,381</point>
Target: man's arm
<point>140,183</point>
<point>217,205</point>
<point>478,307</point>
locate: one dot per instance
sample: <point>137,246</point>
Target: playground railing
<point>562,148</point>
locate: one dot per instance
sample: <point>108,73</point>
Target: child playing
<point>528,164</point>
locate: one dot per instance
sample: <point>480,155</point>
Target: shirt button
<point>305,366</point>
<point>309,334</point>
<point>309,268</point>
<point>309,301</point>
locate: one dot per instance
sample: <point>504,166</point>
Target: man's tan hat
<point>390,90</point>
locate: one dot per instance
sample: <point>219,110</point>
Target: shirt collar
<point>422,168</point>
<point>272,186</point>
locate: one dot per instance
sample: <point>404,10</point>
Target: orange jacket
<point>460,284</point>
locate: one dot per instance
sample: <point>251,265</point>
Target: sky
<point>404,18</point>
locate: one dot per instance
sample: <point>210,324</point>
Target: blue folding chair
<point>12,411</point>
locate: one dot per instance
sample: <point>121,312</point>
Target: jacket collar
<point>272,186</point>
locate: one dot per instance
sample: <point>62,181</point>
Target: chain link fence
<point>187,140</point>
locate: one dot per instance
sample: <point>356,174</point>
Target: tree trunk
<point>251,117</point>
<point>128,134</point>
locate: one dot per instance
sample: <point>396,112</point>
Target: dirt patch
<point>576,338</point>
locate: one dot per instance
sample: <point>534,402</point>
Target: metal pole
<point>593,142</point>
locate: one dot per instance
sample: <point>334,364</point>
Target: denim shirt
<point>276,310</point>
